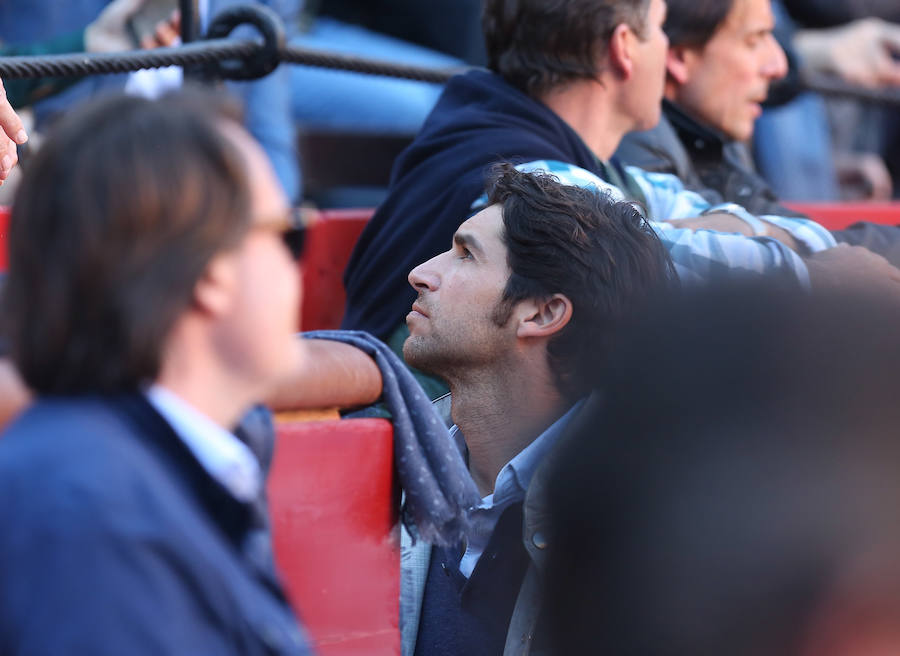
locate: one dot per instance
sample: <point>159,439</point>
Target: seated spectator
<point>758,519</point>
<point>516,316</point>
<point>150,302</point>
<point>721,61</point>
<point>568,80</point>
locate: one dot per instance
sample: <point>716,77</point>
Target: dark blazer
<point>116,541</point>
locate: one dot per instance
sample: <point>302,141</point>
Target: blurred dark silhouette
<point>736,489</point>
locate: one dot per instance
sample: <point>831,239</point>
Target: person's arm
<point>667,197</point>
<point>698,253</point>
<point>865,52</point>
<point>329,375</point>
<point>715,245</point>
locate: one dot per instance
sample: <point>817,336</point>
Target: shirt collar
<point>221,454</point>
<point>691,131</point>
<point>515,476</point>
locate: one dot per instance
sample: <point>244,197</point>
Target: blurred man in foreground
<point>150,301</point>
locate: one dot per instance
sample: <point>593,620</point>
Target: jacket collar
<point>700,140</point>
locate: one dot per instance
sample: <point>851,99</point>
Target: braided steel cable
<point>206,53</point>
<point>323,59</point>
<point>198,53</point>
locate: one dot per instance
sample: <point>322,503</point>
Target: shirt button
<point>539,540</point>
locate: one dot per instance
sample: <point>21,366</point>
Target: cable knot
<point>260,63</point>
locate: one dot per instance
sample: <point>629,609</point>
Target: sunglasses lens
<point>294,238</point>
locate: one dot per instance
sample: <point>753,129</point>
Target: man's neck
<point>587,107</point>
<point>192,370</point>
<point>501,415</point>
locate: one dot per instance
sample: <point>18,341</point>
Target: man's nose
<point>775,65</point>
<point>425,276</point>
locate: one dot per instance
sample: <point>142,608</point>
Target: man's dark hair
<point>601,254</point>
<point>692,23</point>
<point>116,219</point>
<point>740,470</point>
<point>537,45</point>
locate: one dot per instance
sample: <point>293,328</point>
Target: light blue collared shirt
<point>222,455</point>
<point>510,487</point>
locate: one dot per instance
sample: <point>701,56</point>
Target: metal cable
<point>81,64</point>
<point>323,59</point>
<point>205,53</point>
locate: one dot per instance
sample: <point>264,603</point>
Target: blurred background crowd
<point>808,147</point>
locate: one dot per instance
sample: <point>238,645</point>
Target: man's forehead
<point>484,227</point>
<point>490,219</point>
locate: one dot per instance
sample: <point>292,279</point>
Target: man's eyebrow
<point>467,240</point>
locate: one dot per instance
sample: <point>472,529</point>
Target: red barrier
<point>331,499</point>
<point>836,216</point>
<point>329,241</point>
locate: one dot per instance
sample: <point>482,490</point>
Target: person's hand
<point>853,268</point>
<point>109,31</point>
<point>13,134</point>
<point>866,174</point>
<point>14,396</point>
<point>863,52</point>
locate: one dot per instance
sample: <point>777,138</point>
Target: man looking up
<point>721,61</point>
<point>568,80</point>
<point>149,302</point>
<point>516,317</point>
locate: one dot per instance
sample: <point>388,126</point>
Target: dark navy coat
<point>116,541</point>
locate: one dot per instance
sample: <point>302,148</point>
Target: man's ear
<point>678,63</point>
<point>544,318</point>
<point>214,291</point>
<point>621,51</point>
